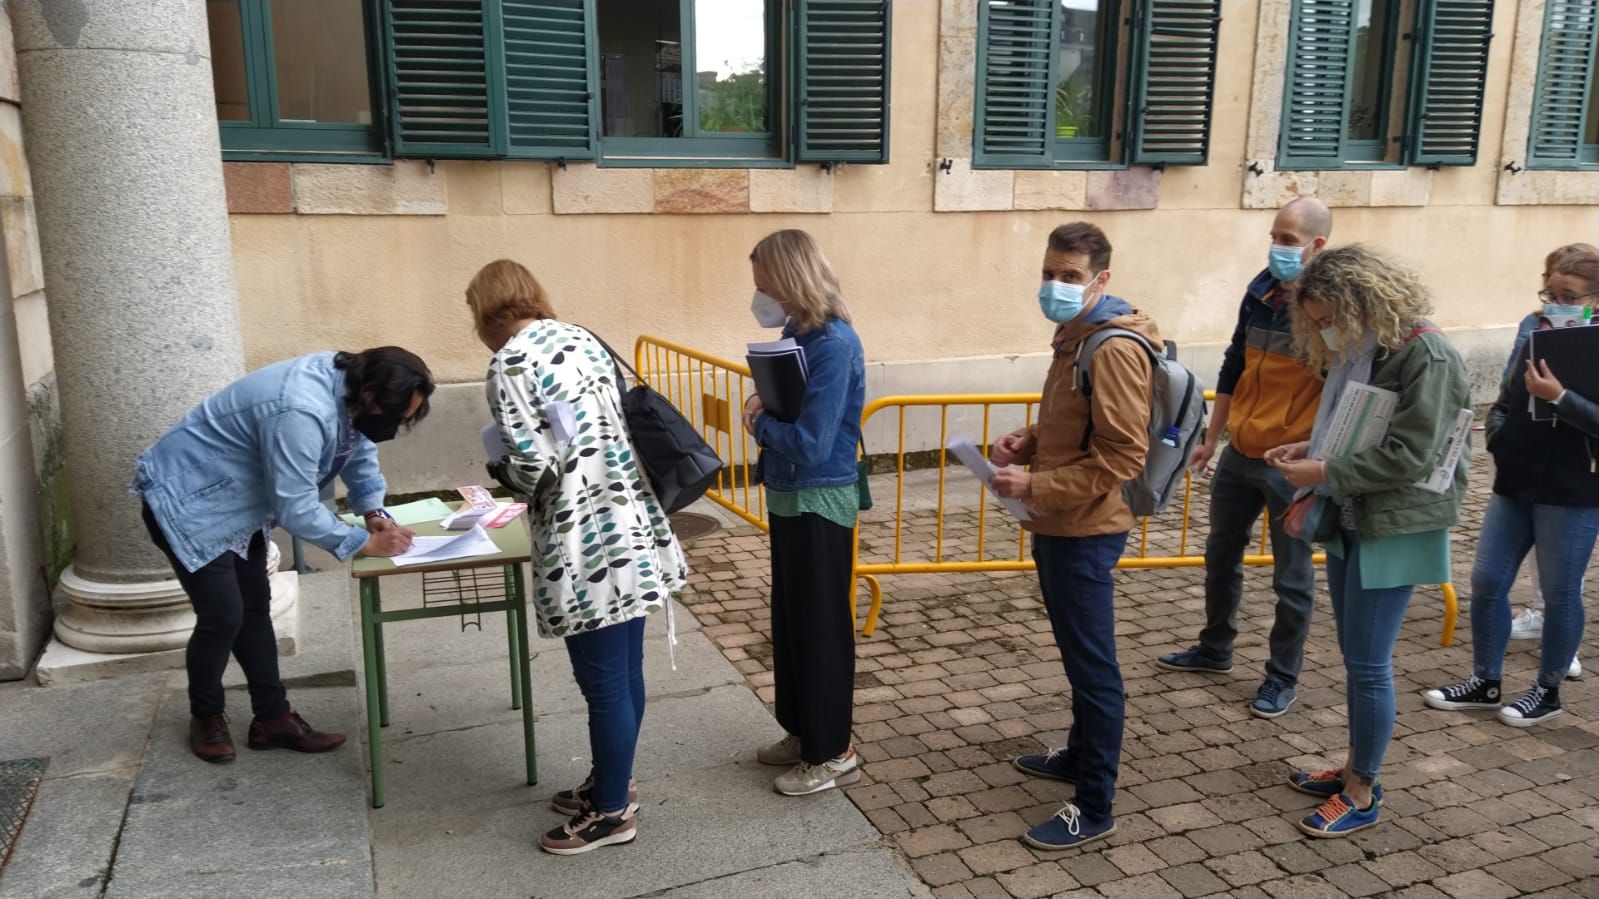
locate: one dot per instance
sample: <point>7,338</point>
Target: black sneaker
<point>1195,659</point>
<point>589,829</point>
<point>1535,706</point>
<point>1472,693</point>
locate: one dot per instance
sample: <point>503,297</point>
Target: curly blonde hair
<point>1367,292</point>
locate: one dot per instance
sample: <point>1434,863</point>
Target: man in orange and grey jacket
<point>1265,397</point>
<point>1086,445</point>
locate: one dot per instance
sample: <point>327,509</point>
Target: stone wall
<point>35,531</point>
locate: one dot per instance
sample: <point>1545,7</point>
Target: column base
<point>114,630</point>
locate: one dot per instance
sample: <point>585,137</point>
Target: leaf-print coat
<point>603,549</point>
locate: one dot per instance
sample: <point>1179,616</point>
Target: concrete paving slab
<point>427,699</point>
<point>684,813</point>
<point>268,818</point>
<point>467,770</point>
<point>100,726</point>
<point>65,847</point>
<point>876,871</point>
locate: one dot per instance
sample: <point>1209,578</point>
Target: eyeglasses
<point>1548,296</point>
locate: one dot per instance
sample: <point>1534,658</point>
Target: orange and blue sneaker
<point>1324,784</point>
<point>1338,817</point>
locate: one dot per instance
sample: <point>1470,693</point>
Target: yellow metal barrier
<point>711,391</point>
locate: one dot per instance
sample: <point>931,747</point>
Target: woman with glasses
<point>1546,501</point>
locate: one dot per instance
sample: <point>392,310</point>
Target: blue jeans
<point>1074,574</point>
<point>1241,488</point>
<point>609,667</point>
<point>1564,538</point>
<point>1368,627</point>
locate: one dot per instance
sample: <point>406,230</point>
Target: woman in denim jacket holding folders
<point>809,469</point>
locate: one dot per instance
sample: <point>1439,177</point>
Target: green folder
<point>419,512</point>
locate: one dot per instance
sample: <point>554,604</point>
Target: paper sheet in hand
<point>1360,421</point>
<point>973,459</point>
<point>432,550</point>
<point>493,446</point>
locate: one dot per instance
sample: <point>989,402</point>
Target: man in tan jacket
<point>1088,442</point>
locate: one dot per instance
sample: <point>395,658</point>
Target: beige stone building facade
<point>376,153</point>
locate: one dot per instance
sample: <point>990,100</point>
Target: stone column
<point>120,123</point>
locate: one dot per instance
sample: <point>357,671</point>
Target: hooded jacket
<point>1275,395</point>
<point>1077,484</point>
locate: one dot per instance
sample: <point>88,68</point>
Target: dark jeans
<point>1241,488</point>
<point>1563,537</point>
<point>609,667</point>
<point>232,600</point>
<point>1074,574</point>
<point>813,638</point>
<point>1368,622</point>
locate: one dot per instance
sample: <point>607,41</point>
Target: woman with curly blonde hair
<point>1363,317</point>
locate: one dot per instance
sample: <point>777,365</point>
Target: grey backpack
<point>1176,420</point>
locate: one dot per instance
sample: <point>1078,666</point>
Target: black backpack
<point>681,466</point>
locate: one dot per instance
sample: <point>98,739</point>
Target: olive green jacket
<point>1430,378</point>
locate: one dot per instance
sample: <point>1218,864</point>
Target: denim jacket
<point>257,454</point>
<point>817,449</point>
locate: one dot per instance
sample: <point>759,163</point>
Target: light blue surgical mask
<point>1564,313</point>
<point>1061,302</point>
<point>1286,262</point>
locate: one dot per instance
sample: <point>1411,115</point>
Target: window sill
<point>333,157</point>
<point>685,162</point>
<point>591,189</point>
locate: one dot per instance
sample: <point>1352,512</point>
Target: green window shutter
<point>842,82</point>
<point>1565,74</point>
<point>1015,81</point>
<point>440,78</point>
<point>1174,81</point>
<point>1321,39</point>
<point>1451,73</point>
<point>550,72</point>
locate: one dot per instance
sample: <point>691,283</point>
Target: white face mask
<point>1332,338</point>
<point>767,311</point>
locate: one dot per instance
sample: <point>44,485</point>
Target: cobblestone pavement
<point>963,674</point>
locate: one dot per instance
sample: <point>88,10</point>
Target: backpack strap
<point>1420,330</point>
<point>1086,354</point>
<point>616,360</point>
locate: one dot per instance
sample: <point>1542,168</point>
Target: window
<point>292,77</point>
<point>1362,89</point>
<point>679,82</point>
<point>1094,83</point>
<point>724,109</point>
<point>1565,108</point>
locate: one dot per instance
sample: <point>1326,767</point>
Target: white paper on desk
<point>431,550</point>
<point>973,459</point>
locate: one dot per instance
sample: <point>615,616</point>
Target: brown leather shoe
<point>291,732</point>
<point>210,739</point>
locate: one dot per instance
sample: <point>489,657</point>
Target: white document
<point>563,421</point>
<point>1360,421</point>
<point>432,550</point>
<point>1443,477</point>
<point>973,459</point>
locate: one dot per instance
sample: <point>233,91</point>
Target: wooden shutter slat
<point>1566,60</point>
<point>550,100</point>
<point>439,77</point>
<point>1452,73</point>
<point>842,83</point>
<point>1316,94</point>
<point>1014,96</point>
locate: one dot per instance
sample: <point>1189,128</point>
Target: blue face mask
<point>1060,302</point>
<point>1286,262</point>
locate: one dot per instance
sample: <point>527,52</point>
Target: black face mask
<point>376,426</point>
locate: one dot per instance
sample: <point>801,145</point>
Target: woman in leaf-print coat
<point>604,555</point>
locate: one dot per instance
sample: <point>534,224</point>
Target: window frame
<point>1586,155</point>
<point>1375,152</point>
<point>266,138</point>
<point>1078,152</point>
<point>773,148</point>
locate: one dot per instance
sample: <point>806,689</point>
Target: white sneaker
<point>1575,671</point>
<point>805,779</point>
<point>1527,626</point>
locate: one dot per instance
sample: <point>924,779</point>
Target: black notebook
<point>1570,353</point>
<point>780,376</point>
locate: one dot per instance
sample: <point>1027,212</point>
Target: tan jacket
<point>1077,492</point>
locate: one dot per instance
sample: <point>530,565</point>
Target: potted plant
<point>1072,113</point>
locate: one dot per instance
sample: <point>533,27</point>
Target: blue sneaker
<point>1338,817</point>
<point>1324,784</point>
<point>1272,699</point>
<point>1065,830</point>
<point>1195,659</point>
<point>1051,764</point>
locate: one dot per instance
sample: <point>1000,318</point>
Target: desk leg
<point>518,650</point>
<point>370,653</point>
<point>519,603</point>
<point>383,656</point>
